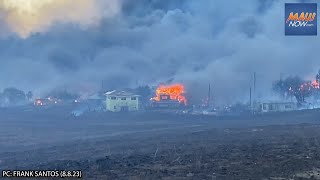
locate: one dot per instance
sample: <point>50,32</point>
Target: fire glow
<point>316,84</point>
<point>175,91</point>
<point>308,86</point>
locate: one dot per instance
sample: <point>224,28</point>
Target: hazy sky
<point>46,44</point>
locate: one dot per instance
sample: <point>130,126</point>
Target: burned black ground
<point>162,146</point>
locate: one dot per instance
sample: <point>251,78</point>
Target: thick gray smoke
<point>152,41</point>
<point>26,17</point>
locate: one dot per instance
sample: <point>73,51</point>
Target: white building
<point>276,107</point>
<point>121,101</point>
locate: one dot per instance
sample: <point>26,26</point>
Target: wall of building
<point>122,103</point>
<point>277,107</point>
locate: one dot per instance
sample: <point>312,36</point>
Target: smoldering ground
<point>151,41</point>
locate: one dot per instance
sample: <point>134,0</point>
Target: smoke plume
<point>149,42</point>
<point>25,17</point>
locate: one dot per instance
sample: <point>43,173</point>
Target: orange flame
<point>175,92</point>
<point>315,84</point>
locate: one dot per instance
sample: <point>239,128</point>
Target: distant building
<point>90,103</point>
<point>121,101</point>
<point>276,107</point>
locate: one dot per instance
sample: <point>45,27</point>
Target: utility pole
<point>254,81</point>
<point>250,100</point>
<point>209,95</point>
<point>254,85</point>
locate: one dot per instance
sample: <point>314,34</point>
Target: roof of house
<point>94,96</point>
<point>277,102</point>
<point>120,93</point>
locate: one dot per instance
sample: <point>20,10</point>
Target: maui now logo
<point>300,19</point>
<point>295,20</point>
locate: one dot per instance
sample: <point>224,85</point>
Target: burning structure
<point>169,96</point>
<point>47,101</point>
<point>57,97</point>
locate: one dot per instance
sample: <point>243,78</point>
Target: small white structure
<point>276,107</point>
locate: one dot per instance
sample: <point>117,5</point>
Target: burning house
<point>47,101</point>
<point>57,98</point>
<point>169,96</point>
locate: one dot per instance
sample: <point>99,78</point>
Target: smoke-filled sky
<point>47,44</point>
